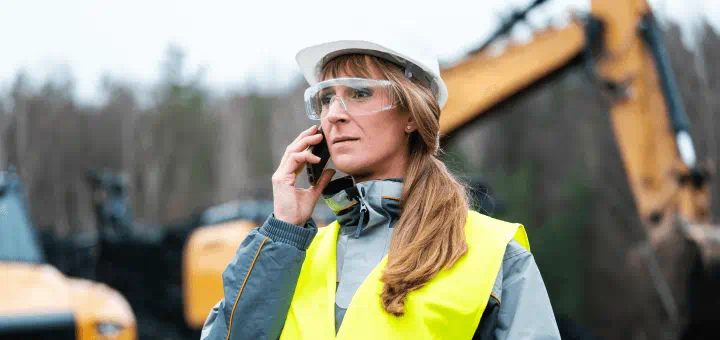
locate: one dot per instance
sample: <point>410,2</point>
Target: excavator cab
<point>38,301</point>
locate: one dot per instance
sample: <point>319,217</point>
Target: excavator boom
<point>622,47</point>
<point>623,50</point>
<point>483,80</point>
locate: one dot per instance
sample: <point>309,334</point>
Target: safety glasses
<point>357,96</point>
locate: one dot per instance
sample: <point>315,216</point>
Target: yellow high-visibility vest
<point>448,307</point>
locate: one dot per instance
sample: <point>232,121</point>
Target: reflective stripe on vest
<point>448,307</point>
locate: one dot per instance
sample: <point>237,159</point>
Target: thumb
<point>323,181</point>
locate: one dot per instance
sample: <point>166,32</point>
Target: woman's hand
<point>291,204</point>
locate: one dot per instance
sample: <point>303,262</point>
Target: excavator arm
<point>622,47</point>
<point>621,44</point>
<point>483,80</point>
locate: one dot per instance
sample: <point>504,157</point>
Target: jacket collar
<point>365,205</point>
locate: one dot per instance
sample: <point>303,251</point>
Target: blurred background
<point>132,124</point>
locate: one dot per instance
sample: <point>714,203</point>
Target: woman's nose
<point>337,112</point>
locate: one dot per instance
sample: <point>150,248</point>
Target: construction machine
<point>37,301</point>
<point>620,45</point>
<point>142,261</point>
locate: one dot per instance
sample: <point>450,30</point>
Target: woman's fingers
<point>305,156</point>
<point>308,132</point>
<point>303,144</point>
<point>305,133</point>
<point>297,159</point>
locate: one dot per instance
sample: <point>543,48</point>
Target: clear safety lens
<point>356,96</point>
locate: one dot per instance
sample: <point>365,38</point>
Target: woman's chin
<point>347,164</point>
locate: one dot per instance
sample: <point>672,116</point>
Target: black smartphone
<point>314,170</point>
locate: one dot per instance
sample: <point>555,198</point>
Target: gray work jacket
<point>260,280</point>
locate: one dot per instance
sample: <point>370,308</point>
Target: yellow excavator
<point>620,43</point>
<point>669,274</point>
<point>37,301</point>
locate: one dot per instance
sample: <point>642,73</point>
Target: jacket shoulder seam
<point>492,295</point>
<point>517,253</point>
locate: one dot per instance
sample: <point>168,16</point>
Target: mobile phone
<point>323,151</point>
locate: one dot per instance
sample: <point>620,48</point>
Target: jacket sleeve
<point>525,311</point>
<point>259,282</point>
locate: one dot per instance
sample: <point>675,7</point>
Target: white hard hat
<point>412,56</point>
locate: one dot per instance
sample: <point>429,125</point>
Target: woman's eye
<point>362,93</point>
<point>325,100</point>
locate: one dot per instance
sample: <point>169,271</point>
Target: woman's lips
<point>344,140</point>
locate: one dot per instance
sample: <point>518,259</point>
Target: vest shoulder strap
<point>486,225</point>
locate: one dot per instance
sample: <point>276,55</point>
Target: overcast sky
<point>241,40</point>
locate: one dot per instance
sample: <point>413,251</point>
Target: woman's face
<point>367,146</point>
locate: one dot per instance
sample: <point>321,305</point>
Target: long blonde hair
<point>430,234</point>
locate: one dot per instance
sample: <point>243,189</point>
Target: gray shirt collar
<point>365,205</point>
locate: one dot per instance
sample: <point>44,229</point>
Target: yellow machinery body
<point>207,253</point>
<point>35,294</point>
<point>640,120</point>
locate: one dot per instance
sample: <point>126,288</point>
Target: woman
<point>406,257</point>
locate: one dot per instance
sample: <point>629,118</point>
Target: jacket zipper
<point>363,209</point>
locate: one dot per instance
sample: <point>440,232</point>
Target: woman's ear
<point>410,125</point>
